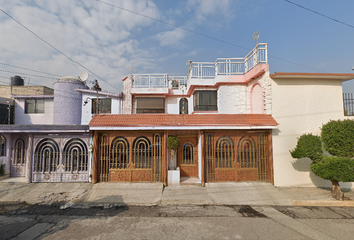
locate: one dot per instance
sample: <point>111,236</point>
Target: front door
<point>18,161</point>
<point>188,156</point>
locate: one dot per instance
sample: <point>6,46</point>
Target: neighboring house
<point>50,140</point>
<point>235,122</point>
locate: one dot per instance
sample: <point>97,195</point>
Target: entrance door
<point>18,161</point>
<point>188,156</point>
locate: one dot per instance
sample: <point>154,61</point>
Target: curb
<point>319,203</point>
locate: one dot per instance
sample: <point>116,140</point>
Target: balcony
<point>202,73</point>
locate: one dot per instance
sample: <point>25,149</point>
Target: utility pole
<point>97,88</point>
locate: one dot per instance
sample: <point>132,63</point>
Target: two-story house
<point>50,140</point>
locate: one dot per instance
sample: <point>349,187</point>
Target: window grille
<point>46,156</point>
<point>187,154</point>
<point>142,152</point>
<point>205,101</point>
<point>247,152</point>
<point>119,153</point>
<point>183,106</point>
<point>20,151</point>
<point>75,156</point>
<point>224,152</point>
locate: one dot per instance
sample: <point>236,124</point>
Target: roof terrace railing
<point>205,70</point>
<point>229,66</point>
<point>158,81</point>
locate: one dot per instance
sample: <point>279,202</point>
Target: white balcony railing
<point>229,66</point>
<point>158,81</point>
<point>205,70</point>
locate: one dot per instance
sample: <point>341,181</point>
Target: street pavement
<point>147,194</point>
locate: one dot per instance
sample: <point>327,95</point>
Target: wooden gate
<point>130,157</point>
<point>187,155</point>
<point>236,156</point>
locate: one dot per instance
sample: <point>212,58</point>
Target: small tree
<point>337,139</point>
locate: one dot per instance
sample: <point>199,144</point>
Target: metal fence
<point>348,103</point>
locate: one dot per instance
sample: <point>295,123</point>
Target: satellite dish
<point>83,76</point>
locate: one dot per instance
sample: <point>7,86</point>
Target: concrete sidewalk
<point>227,193</point>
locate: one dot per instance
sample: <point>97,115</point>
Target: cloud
<point>207,8</point>
<point>171,38</point>
<point>98,36</point>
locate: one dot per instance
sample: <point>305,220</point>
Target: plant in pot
<point>173,144</point>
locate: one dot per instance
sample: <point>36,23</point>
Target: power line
<point>323,15</point>
<point>32,75</point>
<point>201,34</point>
<point>30,69</point>
<point>173,25</point>
<point>56,48</point>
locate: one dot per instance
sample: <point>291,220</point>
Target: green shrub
<point>309,146</point>
<point>338,138</point>
<point>173,142</point>
<point>334,169</point>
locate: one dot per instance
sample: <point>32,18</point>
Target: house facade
<point>50,140</point>
<point>220,112</point>
<point>235,121</point>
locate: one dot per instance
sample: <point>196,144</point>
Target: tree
<point>337,138</point>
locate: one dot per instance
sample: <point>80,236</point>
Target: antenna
<point>83,76</point>
<point>131,71</point>
<point>256,36</point>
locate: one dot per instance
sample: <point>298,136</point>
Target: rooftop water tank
<point>17,81</point>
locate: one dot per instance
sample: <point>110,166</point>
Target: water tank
<point>17,81</point>
<point>67,101</point>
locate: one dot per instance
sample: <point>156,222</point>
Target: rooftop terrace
<point>205,70</point>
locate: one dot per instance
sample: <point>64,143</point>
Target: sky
<point>42,40</point>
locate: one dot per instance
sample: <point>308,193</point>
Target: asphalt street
<point>57,221</point>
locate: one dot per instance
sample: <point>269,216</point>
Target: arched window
<point>224,152</point>
<point>183,106</point>
<point>187,157</point>
<point>247,152</point>
<point>75,156</point>
<point>119,153</point>
<point>46,156</point>
<point>2,145</point>
<point>142,152</point>
<point>20,151</point>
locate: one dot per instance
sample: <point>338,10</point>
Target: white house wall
<point>86,114</point>
<point>22,118</point>
<point>301,106</point>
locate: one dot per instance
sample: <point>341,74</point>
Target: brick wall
<point>127,97</point>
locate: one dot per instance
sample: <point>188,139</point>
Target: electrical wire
<point>56,48</point>
<point>204,35</point>
<point>32,75</point>
<point>323,15</point>
<point>30,69</point>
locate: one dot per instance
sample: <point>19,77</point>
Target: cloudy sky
<point>107,37</point>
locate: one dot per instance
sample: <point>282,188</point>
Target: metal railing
<point>348,104</point>
<point>229,66</point>
<point>205,70</point>
<point>158,81</point>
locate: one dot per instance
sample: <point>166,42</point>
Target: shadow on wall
<point>303,165</point>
